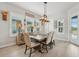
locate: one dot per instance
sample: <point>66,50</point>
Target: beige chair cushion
<point>28,41</point>
<point>53,33</point>
<point>34,44</point>
<point>49,37</point>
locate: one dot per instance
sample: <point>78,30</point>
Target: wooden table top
<point>38,37</point>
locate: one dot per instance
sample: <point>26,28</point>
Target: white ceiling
<point>52,7</point>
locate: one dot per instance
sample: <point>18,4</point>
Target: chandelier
<point>44,19</point>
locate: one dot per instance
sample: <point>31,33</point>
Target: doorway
<point>74,30</point>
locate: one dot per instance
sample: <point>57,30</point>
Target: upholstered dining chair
<point>49,41</point>
<point>29,44</point>
<point>52,42</point>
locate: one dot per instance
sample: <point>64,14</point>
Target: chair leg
<point>42,46</point>
<point>53,42</point>
<point>51,46</point>
<point>46,49</point>
<point>30,52</point>
<point>25,50</point>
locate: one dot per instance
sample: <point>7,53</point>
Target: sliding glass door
<point>74,30</point>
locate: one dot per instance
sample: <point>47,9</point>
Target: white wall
<point>51,25</point>
<point>5,39</point>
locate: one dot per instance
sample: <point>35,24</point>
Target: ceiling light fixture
<point>44,19</point>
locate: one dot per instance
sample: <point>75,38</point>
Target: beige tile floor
<point>61,49</point>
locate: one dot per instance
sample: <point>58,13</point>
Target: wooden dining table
<point>39,39</point>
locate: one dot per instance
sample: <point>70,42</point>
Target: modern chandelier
<point>44,18</point>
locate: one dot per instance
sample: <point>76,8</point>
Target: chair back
<point>52,36</point>
<point>49,37</point>
<point>27,39</point>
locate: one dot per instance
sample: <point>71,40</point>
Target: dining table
<point>39,39</point>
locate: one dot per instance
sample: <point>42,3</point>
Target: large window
<point>74,27</point>
<point>36,25</point>
<point>33,24</point>
<point>74,24</point>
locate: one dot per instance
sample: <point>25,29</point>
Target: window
<point>60,26</point>
<point>74,27</point>
<point>33,24</point>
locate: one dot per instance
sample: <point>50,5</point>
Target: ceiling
<point>52,7</point>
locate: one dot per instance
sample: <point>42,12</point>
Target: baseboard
<point>73,43</point>
<point>6,45</point>
<point>67,41</point>
<point>62,39</point>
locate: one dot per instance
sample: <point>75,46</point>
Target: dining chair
<point>53,38</point>
<point>49,42</point>
<point>52,42</point>
<point>29,44</point>
<point>19,39</point>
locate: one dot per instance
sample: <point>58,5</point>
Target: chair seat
<point>34,44</point>
<point>45,43</point>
